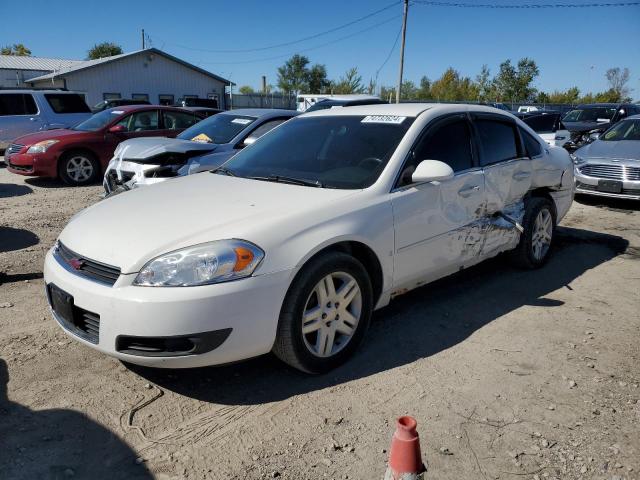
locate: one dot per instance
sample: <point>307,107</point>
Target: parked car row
<point>289,245</point>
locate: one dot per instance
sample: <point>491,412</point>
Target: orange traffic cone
<point>405,460</point>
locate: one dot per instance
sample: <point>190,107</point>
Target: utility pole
<point>404,33</point>
<point>143,39</point>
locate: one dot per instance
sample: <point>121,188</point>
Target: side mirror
<point>117,129</point>
<point>430,171</point>
<point>248,141</point>
<point>594,136</point>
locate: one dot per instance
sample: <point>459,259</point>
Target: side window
<point>450,143</point>
<point>140,121</point>
<point>497,141</point>
<point>17,104</point>
<point>531,145</point>
<point>262,129</point>
<point>178,120</point>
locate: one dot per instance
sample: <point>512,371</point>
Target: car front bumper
<point>39,165</point>
<point>249,307</point>
<point>589,185</point>
<point>124,175</point>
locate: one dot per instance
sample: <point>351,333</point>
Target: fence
<point>259,100</point>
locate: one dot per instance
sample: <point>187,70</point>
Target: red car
<point>79,155</point>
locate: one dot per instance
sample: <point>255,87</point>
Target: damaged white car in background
<point>290,245</point>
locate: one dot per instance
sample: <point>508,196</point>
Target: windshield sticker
<point>117,112</point>
<point>241,121</point>
<point>394,119</point>
<point>202,138</point>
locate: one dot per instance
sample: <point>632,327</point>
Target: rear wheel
<point>325,313</point>
<point>78,168</point>
<point>539,227</point>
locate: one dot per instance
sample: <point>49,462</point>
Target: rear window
<point>531,145</point>
<point>497,140</point>
<point>67,103</point>
<point>17,104</point>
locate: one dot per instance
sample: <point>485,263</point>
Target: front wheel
<point>78,168</point>
<point>325,314</point>
<point>539,227</point>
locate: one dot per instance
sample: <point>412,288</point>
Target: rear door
<point>19,116</point>
<point>436,223</point>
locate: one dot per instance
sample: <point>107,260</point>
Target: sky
<point>572,46</point>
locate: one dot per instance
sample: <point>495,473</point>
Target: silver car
<point>610,166</point>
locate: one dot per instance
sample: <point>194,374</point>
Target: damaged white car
<point>291,244</point>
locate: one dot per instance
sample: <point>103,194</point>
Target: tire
<point>78,168</point>
<point>539,225</point>
<point>311,351</point>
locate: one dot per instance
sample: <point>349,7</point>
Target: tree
<point>351,82</point>
<point>104,49</point>
<point>245,90</point>
<point>618,79</point>
<point>451,86</point>
<point>408,90</point>
<point>424,91</point>
<point>572,95</point>
<point>485,85</point>
<point>17,50</point>
<point>293,76</point>
<point>515,84</point>
<point>317,79</point>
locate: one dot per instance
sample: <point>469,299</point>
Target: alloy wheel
<point>542,232</point>
<point>331,314</point>
<point>79,169</point>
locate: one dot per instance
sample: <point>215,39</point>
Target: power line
<point>258,60</point>
<point>395,44</point>
<point>293,42</point>
<point>525,5</point>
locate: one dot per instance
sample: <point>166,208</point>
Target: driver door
<point>436,223</point>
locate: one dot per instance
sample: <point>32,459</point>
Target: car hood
<point>585,126</point>
<point>56,134</point>
<point>145,148</point>
<point>620,150</point>
<point>130,229</point>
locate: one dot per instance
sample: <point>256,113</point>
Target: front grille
<point>21,168</point>
<point>14,148</point>
<point>594,188</point>
<point>88,268</point>
<point>89,323</point>
<point>611,172</point>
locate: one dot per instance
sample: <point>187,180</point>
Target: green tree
<point>104,49</point>
<point>17,50</point>
<point>484,83</point>
<point>408,90</point>
<point>317,79</point>
<point>618,80</point>
<point>424,91</point>
<point>245,90</point>
<point>351,82</point>
<point>572,95</point>
<point>452,86</point>
<point>293,76</point>
<point>515,83</point>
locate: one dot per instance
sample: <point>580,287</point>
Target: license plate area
<point>62,303</point>
<point>72,318</point>
<point>610,186</point>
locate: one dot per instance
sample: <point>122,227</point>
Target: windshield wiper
<point>290,180</point>
<point>224,171</point>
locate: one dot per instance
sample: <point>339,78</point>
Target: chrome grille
<point>14,148</point>
<point>612,172</point>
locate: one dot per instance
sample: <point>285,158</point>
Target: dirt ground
<point>510,374</point>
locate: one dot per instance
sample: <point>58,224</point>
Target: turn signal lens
<point>244,257</point>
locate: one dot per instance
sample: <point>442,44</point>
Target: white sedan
<point>291,244</point>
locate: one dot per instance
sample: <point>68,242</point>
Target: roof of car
<point>403,109</point>
<point>133,108</point>
<point>261,112</point>
<point>605,105</point>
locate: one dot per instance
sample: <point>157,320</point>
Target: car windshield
<point>98,121</point>
<point>589,114</point>
<point>218,129</point>
<point>625,130</point>
<point>347,152</point>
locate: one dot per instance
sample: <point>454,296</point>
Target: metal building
<point>149,74</point>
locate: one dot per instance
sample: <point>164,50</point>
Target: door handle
<point>465,192</point>
<point>521,175</point>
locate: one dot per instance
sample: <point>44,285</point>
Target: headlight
<point>41,147</point>
<point>576,159</point>
<point>214,262</point>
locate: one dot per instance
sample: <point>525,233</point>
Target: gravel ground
<point>510,374</point>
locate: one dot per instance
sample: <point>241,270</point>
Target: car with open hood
<point>291,244</point>
<point>79,154</point>
<point>210,143</point>
<point>610,165</point>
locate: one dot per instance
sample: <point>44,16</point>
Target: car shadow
<point>16,239</point>
<point>12,190</point>
<point>59,444</point>
<point>419,324</point>
<point>19,277</point>
<point>610,203</point>
<point>45,182</point>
